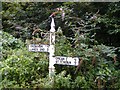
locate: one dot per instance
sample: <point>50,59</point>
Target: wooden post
<point>52,50</point>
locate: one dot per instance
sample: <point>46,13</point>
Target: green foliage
<point>19,67</point>
<point>80,82</point>
<point>8,41</point>
<point>62,46</point>
<point>98,61</point>
<point>62,81</point>
<point>23,69</point>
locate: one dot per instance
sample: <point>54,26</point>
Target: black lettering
<point>64,61</point>
<point>42,49</point>
<point>58,58</point>
<point>69,62</point>
<point>60,61</point>
<point>75,61</point>
<point>57,61</point>
<point>41,46</point>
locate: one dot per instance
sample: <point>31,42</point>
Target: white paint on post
<point>52,49</point>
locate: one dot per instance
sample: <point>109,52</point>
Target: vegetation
<point>90,31</point>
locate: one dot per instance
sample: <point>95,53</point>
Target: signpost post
<point>52,49</point>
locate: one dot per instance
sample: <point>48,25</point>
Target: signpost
<point>73,61</point>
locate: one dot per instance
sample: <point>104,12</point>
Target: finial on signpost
<point>52,25</point>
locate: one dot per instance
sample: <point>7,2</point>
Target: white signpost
<point>73,61</point>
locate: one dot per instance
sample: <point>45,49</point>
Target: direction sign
<point>38,48</point>
<point>67,60</point>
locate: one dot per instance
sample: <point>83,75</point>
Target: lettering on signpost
<point>39,48</point>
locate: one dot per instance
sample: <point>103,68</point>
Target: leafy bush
<point>23,67</point>
<point>19,66</point>
<point>8,41</point>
